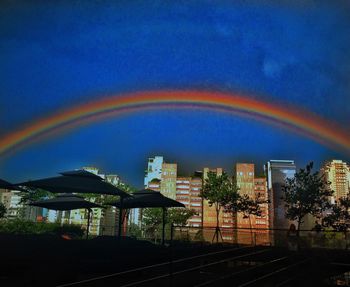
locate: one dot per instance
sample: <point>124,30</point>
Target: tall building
<point>245,182</point>
<point>11,199</point>
<point>256,189</point>
<point>188,192</point>
<point>154,169</point>
<point>162,173</point>
<point>277,171</point>
<point>337,173</point>
<point>168,180</point>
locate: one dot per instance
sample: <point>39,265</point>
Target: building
<point>256,189</point>
<point>244,174</point>
<point>227,220</point>
<point>188,192</point>
<point>154,169</point>
<point>276,172</point>
<point>11,200</point>
<point>337,173</point>
<point>161,176</point>
<point>168,180</point>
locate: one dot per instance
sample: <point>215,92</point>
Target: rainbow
<point>303,122</point>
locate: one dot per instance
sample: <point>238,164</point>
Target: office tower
<point>277,171</point>
<point>188,192</point>
<point>168,180</point>
<point>245,182</point>
<point>337,173</point>
<point>163,174</point>
<point>256,189</point>
<point>11,200</point>
<point>154,169</point>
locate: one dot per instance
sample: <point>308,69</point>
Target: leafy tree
<point>2,210</point>
<point>219,190</point>
<point>34,195</point>
<point>306,193</point>
<point>180,216</point>
<point>151,221</point>
<point>339,218</point>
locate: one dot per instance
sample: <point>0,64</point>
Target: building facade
<point>256,189</point>
<point>168,180</point>
<point>337,173</point>
<point>277,171</point>
<point>188,192</point>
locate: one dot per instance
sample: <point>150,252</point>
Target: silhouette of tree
<point>306,193</point>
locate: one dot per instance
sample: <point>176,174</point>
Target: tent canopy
<point>152,199</point>
<point>65,202</point>
<point>80,181</point>
<point>7,185</point>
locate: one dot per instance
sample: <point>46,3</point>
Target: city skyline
<point>112,86</point>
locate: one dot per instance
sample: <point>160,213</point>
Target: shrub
<point>20,226</point>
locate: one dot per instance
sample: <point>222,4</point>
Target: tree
<point>218,190</point>
<point>306,193</point>
<point>339,217</point>
<point>248,206</point>
<point>151,221</point>
<point>3,210</point>
<point>180,216</point>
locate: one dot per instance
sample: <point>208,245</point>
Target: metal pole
<point>120,218</point>
<point>88,223</point>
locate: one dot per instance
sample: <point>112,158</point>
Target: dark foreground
<point>51,261</point>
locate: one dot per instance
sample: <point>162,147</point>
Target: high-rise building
<point>154,169</point>
<point>256,189</point>
<point>188,192</point>
<point>245,182</point>
<point>168,180</point>
<point>337,173</point>
<point>11,199</point>
<point>161,176</point>
<point>277,171</point>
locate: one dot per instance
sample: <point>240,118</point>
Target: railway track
<point>245,266</point>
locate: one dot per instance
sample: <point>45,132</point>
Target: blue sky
<point>55,55</point>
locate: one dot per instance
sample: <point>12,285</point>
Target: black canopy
<point>7,185</point>
<point>68,202</point>
<point>79,181</point>
<point>65,202</point>
<point>149,198</point>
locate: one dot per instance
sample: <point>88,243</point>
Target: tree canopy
<point>306,193</point>
<point>339,217</point>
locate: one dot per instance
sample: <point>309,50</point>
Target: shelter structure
<point>68,202</point>
<point>149,198</point>
<point>79,181</point>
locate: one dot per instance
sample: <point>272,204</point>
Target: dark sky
<point>57,55</point>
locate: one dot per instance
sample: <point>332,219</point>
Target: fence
<point>306,239</point>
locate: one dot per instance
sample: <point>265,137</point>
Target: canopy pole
<point>120,218</point>
<point>88,223</point>
<point>163,223</point>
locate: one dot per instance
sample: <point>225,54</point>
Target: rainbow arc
<point>292,118</point>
